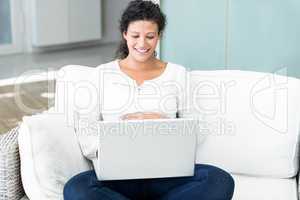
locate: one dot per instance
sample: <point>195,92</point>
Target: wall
<point>256,35</point>
<point>111,12</point>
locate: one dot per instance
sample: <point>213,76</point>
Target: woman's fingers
<point>143,115</point>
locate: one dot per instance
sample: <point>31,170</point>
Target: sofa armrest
<point>10,176</point>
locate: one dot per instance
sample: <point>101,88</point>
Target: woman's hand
<point>143,115</point>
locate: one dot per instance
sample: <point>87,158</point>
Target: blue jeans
<point>208,183</point>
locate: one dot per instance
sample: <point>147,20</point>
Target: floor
<point>27,98</point>
<point>18,64</point>
<point>19,100</point>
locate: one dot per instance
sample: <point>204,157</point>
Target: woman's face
<point>142,37</point>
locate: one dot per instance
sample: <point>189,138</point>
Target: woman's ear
<point>160,35</point>
<point>125,35</point>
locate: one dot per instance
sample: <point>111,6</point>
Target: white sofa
<point>251,120</point>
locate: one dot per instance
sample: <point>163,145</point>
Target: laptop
<point>139,149</point>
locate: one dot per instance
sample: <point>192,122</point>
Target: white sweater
<point>119,94</point>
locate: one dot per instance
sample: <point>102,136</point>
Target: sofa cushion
<point>249,188</point>
<point>251,120</point>
<point>50,155</point>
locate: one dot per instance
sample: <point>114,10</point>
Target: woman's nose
<point>141,42</point>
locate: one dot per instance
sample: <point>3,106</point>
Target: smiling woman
<point>139,86</point>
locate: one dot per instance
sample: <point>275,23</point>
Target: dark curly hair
<point>139,10</point>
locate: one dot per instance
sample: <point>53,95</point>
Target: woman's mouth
<point>142,51</point>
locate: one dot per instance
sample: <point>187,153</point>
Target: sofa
<point>250,119</point>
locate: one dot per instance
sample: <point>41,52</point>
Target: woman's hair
<point>139,10</point>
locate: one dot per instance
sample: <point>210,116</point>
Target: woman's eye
<point>150,37</point>
<point>135,36</point>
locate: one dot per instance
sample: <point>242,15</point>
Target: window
<point>10,27</point>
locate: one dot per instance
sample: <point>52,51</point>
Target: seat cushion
<point>249,188</point>
<point>251,120</point>
<point>50,155</point>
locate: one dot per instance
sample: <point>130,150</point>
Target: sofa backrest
<point>76,91</point>
<point>251,120</point>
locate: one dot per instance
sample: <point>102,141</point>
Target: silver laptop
<point>146,149</point>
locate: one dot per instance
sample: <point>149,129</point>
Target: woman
<point>137,72</point>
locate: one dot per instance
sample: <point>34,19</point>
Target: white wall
<point>111,13</point>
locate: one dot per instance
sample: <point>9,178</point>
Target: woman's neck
<point>139,66</point>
